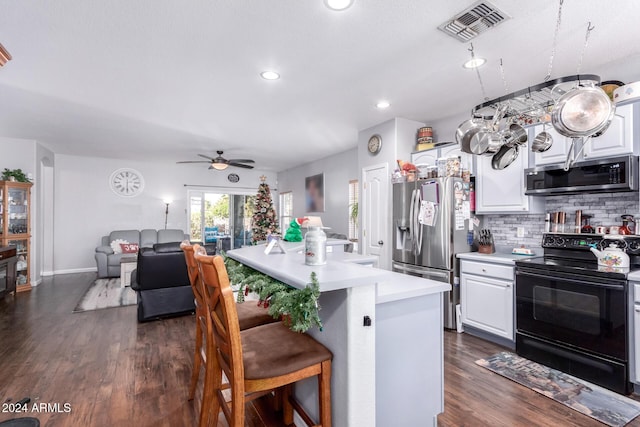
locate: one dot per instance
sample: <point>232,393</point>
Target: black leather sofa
<point>162,283</point>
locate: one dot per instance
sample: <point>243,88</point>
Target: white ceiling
<point>166,79</point>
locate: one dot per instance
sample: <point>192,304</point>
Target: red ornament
<point>246,291</point>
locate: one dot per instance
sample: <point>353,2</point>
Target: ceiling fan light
<point>219,166</point>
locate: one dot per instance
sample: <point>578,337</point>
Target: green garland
<point>298,308</point>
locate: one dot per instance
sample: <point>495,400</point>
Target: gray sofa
<point>108,262</point>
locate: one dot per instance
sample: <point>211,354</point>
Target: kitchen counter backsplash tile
<point>605,208</point>
<point>504,229</point>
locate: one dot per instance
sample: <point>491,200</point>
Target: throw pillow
<point>115,245</point>
<point>129,248</point>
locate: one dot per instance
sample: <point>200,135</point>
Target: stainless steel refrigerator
<point>431,224</point>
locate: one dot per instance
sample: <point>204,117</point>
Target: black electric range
<point>570,253</point>
<point>571,314</point>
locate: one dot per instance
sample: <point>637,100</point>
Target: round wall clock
<point>375,144</point>
<point>233,177</point>
<point>126,182</point>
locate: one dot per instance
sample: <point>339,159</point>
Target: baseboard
<point>47,273</point>
<point>76,270</point>
<point>36,282</point>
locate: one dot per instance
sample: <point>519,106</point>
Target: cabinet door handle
<point>508,285</point>
<point>484,270</point>
<point>637,309</point>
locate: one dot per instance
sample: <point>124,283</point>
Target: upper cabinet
<point>429,157</point>
<point>618,139</point>
<point>558,151</point>
<point>502,191</point>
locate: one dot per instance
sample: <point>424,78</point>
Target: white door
<point>558,151</point>
<point>376,213</point>
<point>487,304</point>
<point>499,191</point>
<point>617,139</point>
<point>465,158</point>
<point>427,157</point>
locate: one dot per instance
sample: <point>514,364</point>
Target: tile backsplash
<point>605,208</point>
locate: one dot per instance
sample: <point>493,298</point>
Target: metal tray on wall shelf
<point>533,102</point>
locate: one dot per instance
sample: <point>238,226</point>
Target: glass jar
<point>315,247</point>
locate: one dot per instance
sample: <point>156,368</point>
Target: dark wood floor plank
<point>117,372</point>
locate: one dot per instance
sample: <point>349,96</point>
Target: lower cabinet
<point>486,298</point>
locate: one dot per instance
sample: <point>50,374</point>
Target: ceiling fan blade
<point>241,161</point>
<point>206,157</point>
<point>194,161</point>
<point>240,165</point>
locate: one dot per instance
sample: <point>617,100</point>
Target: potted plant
<point>353,215</point>
<point>14,175</point>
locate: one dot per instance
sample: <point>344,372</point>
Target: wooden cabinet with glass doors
<point>15,226</point>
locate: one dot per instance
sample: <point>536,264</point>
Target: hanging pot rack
<point>529,101</point>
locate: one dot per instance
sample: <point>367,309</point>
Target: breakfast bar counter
<point>388,372</point>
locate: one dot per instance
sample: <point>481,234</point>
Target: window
<point>221,216</point>
<point>286,210</point>
<point>353,210</point>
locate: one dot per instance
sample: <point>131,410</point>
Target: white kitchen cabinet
<point>558,151</point>
<point>487,301</point>
<point>453,150</point>
<point>502,191</point>
<point>427,157</point>
<point>618,139</point>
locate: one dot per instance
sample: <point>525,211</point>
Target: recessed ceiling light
<point>338,4</point>
<point>474,62</point>
<point>270,75</point>
<point>382,105</point>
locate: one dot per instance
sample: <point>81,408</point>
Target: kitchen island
<point>388,372</point>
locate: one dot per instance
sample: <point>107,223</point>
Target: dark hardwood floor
<point>116,372</point>
<point>110,369</point>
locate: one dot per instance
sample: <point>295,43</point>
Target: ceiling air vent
<point>475,20</point>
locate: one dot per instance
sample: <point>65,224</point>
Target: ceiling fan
<point>220,163</point>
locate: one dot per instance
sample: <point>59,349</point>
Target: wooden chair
<point>256,361</point>
<point>251,316</point>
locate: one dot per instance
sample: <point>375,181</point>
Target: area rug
<point>594,401</point>
<point>106,293</point>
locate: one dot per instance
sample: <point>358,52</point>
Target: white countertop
<point>497,257</point>
<point>340,272</point>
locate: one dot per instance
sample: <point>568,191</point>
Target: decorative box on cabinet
<point>502,191</point>
<point>15,227</point>
<point>486,297</point>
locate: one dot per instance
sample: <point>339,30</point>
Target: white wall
<point>398,141</point>
<point>86,208</point>
<point>338,170</point>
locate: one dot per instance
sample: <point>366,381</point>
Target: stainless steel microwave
<point>616,174</point>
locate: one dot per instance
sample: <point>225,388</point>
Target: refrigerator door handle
<point>419,226</point>
<point>431,273</point>
<point>411,219</point>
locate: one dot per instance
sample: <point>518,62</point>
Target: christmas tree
<point>265,221</point>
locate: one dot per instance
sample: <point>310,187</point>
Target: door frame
<point>384,259</point>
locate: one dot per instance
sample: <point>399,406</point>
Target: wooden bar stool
<point>256,361</point>
<point>250,315</point>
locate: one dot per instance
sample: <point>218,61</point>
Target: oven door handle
<point>565,279</point>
